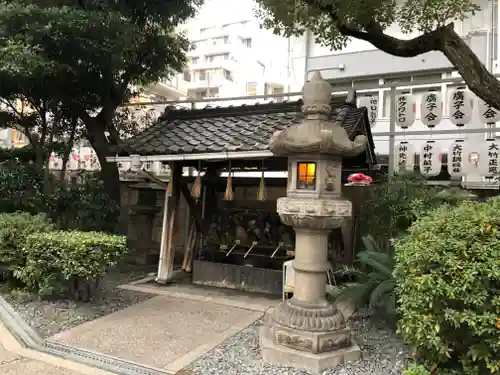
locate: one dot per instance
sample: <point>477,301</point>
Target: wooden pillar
<point>211,192</point>
<point>167,250</point>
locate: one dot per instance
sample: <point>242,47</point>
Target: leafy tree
<point>335,22</point>
<point>27,106</point>
<point>88,54</point>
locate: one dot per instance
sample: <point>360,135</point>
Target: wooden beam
<point>193,209</point>
<point>167,251</point>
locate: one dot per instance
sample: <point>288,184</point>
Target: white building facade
<point>232,56</point>
<point>372,71</point>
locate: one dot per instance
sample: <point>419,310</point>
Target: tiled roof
<point>238,128</point>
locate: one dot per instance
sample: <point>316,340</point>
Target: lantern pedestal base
<point>312,362</point>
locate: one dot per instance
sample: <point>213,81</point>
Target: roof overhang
<point>225,155</point>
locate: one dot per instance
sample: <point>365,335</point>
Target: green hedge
<point>14,229</point>
<point>68,263</point>
<point>448,286</point>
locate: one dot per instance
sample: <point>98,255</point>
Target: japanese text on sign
<point>402,156</point>
<point>456,159</point>
<point>493,158</point>
<point>458,103</point>
<point>427,158</point>
<point>373,110</point>
<point>487,113</point>
<point>431,109</point>
<point>402,110</point>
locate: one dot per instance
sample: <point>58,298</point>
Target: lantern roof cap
<point>318,132</point>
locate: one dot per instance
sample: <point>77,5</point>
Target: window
<point>228,75</point>
<point>252,88</point>
<point>213,92</point>
<point>247,42</point>
<point>226,40</point>
<point>202,75</point>
<point>194,60</point>
<point>187,76</point>
<point>306,175</point>
<point>194,94</point>
<point>218,57</point>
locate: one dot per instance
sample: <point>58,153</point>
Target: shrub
<point>375,287</point>
<point>81,206</point>
<point>448,286</point>
<point>395,205</point>
<point>416,370</point>
<point>62,263</point>
<point>14,229</point>
<point>21,187</point>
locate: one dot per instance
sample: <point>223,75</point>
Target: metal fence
<point>393,87</point>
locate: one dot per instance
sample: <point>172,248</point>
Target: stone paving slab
<point>17,359</point>
<point>7,357</point>
<point>163,332</point>
<point>27,366</point>
<point>233,298</point>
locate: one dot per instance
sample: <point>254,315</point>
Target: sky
<point>222,11</point>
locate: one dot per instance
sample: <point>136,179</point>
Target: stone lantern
<point>306,331</point>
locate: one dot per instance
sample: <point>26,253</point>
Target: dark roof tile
<point>238,128</point>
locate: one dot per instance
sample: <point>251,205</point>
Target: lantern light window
<point>306,175</point>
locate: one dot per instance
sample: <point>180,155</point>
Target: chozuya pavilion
<point>239,241</point>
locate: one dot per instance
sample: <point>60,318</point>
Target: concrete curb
<point>32,340</point>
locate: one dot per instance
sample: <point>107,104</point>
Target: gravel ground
<point>49,317</point>
<point>382,352</point>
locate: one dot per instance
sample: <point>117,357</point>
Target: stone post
<point>306,331</point>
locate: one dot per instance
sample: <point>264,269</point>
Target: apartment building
<point>231,54</point>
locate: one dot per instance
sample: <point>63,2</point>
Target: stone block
<point>312,362</point>
<point>314,342</point>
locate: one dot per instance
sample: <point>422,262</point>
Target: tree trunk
<point>69,147</point>
<point>109,171</point>
<point>477,77</point>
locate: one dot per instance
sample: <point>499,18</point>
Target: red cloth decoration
<point>360,178</point>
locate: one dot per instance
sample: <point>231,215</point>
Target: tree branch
<point>479,80</point>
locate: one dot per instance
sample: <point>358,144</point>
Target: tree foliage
<point>84,57</point>
<point>335,22</point>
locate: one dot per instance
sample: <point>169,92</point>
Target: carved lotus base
<point>318,318</point>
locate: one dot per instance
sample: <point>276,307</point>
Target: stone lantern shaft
<point>306,330</point>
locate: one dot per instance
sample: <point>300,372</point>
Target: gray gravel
<point>49,317</point>
<point>383,354</point>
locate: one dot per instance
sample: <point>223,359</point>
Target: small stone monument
<point>306,331</point>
